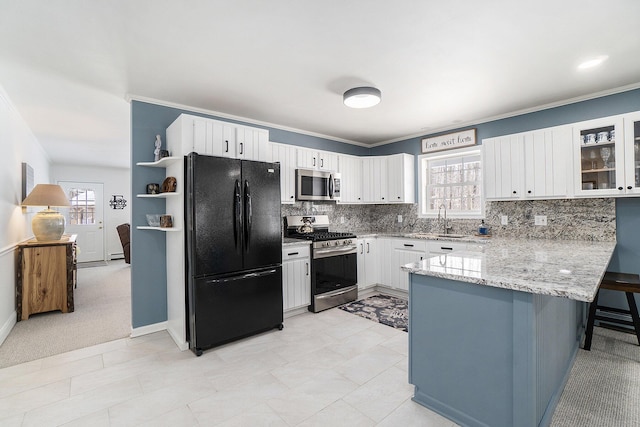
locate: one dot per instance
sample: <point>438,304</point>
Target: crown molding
<point>535,109</point>
<point>132,97</point>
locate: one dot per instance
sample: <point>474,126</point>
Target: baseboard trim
<point>182,345</point>
<point>148,329</point>
<point>295,312</point>
<point>8,326</point>
<point>391,291</point>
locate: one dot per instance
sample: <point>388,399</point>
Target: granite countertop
<point>564,268</point>
<point>426,236</point>
<point>288,241</point>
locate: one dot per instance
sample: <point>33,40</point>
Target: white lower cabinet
<point>296,277</point>
<point>439,247</point>
<point>404,251</point>
<point>368,263</point>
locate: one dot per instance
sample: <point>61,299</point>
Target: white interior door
<point>85,218</point>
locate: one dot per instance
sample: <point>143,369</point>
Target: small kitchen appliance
<point>317,185</point>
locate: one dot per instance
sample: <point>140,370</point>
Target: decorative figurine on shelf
<point>153,188</point>
<point>156,152</point>
<point>169,185</point>
<point>166,221</point>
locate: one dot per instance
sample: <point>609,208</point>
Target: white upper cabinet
<point>503,165</point>
<point>401,178</point>
<point>375,186</point>
<point>313,159</point>
<point>528,165</point>
<point>351,179</point>
<point>251,143</point>
<point>213,138</point>
<point>599,147</point>
<point>546,162</point>
<point>286,156</point>
<point>218,138</point>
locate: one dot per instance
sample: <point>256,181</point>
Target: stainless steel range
<point>334,260</point>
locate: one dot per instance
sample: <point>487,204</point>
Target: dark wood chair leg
<point>633,308</point>
<point>591,319</point>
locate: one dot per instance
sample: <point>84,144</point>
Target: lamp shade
<point>46,195</point>
<point>47,225</point>
<point>362,97</point>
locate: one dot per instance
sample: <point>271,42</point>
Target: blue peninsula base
<point>486,356</point>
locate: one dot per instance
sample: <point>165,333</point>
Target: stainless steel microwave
<point>317,185</point>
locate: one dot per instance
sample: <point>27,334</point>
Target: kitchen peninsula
<point>493,334</point>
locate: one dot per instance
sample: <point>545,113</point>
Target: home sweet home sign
<point>449,141</point>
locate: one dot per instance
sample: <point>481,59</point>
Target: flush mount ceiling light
<point>593,62</point>
<point>362,97</point>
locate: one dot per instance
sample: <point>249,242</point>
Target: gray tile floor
<point>327,369</point>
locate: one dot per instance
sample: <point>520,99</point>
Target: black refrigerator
<point>234,249</point>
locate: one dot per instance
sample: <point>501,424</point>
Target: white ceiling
<point>69,65</point>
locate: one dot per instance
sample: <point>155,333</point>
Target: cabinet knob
<point>383,198</point>
<point>629,187</point>
<point>620,188</point>
<point>527,191</point>
<point>291,197</point>
<point>515,192</point>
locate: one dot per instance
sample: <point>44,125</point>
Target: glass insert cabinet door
<point>632,153</point>
<point>601,153</point>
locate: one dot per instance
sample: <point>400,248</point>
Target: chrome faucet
<point>445,226</point>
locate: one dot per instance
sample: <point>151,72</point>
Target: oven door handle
<point>324,253</point>
<point>331,294</point>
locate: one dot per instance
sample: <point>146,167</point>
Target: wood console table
<point>46,276</point>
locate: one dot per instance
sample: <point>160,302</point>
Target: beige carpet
<point>102,313</point>
<point>604,386</point>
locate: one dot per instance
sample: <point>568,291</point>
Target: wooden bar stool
<point>627,283</point>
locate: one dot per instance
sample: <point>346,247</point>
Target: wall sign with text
<point>449,141</point>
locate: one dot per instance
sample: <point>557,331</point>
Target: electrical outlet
<point>341,220</point>
<point>540,220</point>
<point>399,218</point>
<point>504,220</point>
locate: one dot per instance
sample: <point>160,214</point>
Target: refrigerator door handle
<point>237,207</point>
<point>243,277</point>
<point>248,214</point>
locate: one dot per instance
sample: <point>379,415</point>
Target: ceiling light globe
<point>362,97</point>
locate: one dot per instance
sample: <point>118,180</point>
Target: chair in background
<point>124,231</point>
<point>624,282</point>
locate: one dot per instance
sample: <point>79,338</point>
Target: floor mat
<point>385,309</point>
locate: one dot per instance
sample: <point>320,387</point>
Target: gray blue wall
<point>148,272</point>
<point>626,258</point>
<point>148,265</point>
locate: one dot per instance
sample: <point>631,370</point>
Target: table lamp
<point>47,225</point>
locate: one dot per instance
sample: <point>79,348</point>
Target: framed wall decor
<point>28,183</point>
<point>449,141</point>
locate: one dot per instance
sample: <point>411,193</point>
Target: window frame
<point>423,182</point>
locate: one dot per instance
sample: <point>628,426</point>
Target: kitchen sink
<point>434,235</point>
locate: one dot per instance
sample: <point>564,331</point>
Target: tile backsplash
<point>567,219</point>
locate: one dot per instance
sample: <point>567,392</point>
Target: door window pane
<point>83,206</point>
